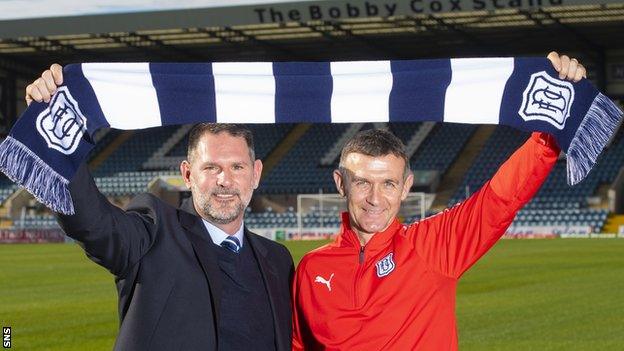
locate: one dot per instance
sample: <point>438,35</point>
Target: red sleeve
<point>452,241</point>
<point>297,316</point>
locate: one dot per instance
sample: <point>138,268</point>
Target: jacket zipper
<point>357,275</point>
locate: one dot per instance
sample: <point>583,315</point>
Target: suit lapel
<point>271,282</point>
<point>201,242</point>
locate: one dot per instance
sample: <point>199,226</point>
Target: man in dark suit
<point>188,278</point>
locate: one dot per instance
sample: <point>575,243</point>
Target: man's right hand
<point>44,87</point>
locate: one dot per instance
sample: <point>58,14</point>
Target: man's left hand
<point>568,68</point>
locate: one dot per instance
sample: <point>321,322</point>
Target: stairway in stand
<point>453,177</point>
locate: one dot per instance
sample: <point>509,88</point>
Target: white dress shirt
<point>217,235</point>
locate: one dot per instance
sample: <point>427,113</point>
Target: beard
<point>217,211</point>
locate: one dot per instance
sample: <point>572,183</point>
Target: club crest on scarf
<point>547,99</point>
<point>62,124</point>
<point>385,266</point>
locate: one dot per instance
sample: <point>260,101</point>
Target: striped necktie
<point>231,243</point>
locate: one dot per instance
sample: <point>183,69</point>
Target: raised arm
<point>455,239</point>
<point>111,237</point>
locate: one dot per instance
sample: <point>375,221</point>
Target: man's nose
<point>224,179</point>
<point>374,196</point>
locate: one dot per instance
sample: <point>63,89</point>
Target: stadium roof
<point>185,35</point>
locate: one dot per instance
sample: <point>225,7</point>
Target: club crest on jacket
<point>385,266</point>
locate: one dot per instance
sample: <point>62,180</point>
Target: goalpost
<point>323,210</point>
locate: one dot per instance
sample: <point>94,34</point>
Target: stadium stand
<point>556,203</point>
<point>301,170</point>
<point>270,219</point>
<point>266,138</point>
<point>7,187</point>
<point>40,221</point>
<point>129,183</point>
<point>120,173</point>
<point>441,147</point>
<point>497,149</point>
<point>125,162</point>
<point>130,155</point>
<point>123,173</point>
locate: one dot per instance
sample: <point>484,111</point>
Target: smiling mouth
<point>376,212</point>
<point>225,197</point>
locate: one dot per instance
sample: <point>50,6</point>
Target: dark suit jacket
<point>167,278</point>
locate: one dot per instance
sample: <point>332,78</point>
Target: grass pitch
<point>523,295</point>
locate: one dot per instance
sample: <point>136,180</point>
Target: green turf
<point>524,295</point>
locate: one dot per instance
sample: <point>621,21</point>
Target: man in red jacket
<point>383,285</point>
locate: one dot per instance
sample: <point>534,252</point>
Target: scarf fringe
<point>27,170</point>
<point>601,121</point>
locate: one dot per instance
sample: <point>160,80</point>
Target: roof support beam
<point>382,51</point>
<point>289,54</point>
<point>492,50</point>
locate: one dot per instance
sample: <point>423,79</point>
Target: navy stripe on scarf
<point>50,141</point>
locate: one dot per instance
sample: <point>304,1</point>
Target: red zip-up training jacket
<point>398,291</point>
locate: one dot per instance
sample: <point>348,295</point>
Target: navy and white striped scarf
<point>50,141</point>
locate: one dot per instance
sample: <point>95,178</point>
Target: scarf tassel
<point>594,133</point>
<point>27,170</point>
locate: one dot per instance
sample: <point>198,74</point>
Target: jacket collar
<point>195,223</point>
<point>188,206</point>
<point>204,251</point>
<point>348,237</point>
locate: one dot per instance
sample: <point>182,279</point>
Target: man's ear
<point>407,185</point>
<point>185,170</point>
<point>340,182</point>
<point>257,170</point>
